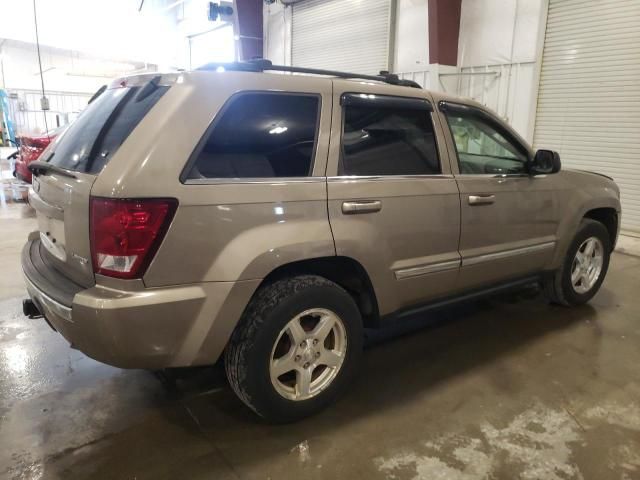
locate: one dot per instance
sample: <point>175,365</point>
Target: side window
<point>482,148</point>
<point>261,135</point>
<point>388,140</point>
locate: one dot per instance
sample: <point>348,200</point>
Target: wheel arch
<point>609,218</point>
<point>344,271</point>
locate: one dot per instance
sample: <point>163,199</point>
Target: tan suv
<point>270,217</point>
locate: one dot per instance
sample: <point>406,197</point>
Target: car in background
<point>31,147</point>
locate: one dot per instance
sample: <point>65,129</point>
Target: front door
<point>393,203</point>
<point>509,218</point>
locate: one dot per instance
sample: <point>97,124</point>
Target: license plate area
<point>52,235</point>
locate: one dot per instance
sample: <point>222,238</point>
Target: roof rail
<point>261,65</point>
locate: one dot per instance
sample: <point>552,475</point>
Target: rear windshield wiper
<point>39,167</point>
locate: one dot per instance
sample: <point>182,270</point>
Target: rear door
<point>70,165</point>
<point>393,204</point>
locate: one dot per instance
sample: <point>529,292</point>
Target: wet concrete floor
<point>504,388</point>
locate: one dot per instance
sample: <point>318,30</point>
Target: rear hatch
<point>67,169</point>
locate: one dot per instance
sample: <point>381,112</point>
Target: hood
<point>586,179</point>
<point>589,172</point>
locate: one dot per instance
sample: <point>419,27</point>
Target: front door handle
<point>481,199</point>
<point>364,206</point>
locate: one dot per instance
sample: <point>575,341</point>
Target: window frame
<point>446,106</point>
<point>386,101</point>
<point>193,157</point>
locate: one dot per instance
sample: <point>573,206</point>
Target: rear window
<point>260,135</point>
<point>90,141</point>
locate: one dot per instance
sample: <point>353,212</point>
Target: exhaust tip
<point>30,309</point>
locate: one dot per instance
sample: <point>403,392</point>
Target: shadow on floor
<point>198,423</point>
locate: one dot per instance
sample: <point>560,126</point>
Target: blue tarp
<point>8,122</point>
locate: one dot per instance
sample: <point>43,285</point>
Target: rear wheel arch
<point>345,272</point>
<point>259,366</point>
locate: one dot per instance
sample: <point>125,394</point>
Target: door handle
<point>481,199</point>
<point>365,206</point>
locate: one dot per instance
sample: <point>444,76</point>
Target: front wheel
<point>296,348</point>
<point>584,268</point>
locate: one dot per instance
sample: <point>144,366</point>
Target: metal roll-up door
<point>589,96</point>
<point>347,35</point>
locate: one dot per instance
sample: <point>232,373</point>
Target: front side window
<point>388,140</point>
<point>482,148</point>
<point>260,135</point>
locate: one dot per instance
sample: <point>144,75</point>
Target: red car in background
<point>30,149</point>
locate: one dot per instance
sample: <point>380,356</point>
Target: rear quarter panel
<point>229,229</point>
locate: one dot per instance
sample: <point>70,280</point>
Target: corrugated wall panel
<point>589,96</point>
<point>348,35</point>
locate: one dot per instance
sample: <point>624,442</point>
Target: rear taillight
<point>125,233</point>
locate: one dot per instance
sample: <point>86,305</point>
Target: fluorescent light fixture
<point>277,130</point>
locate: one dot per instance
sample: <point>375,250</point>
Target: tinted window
<point>130,113</point>
<point>388,141</point>
<point>260,135</point>
<point>482,148</point>
<point>90,141</point>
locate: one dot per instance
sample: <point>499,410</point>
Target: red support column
<point>249,28</point>
<point>444,30</point>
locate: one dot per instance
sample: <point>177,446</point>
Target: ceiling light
<point>278,130</point>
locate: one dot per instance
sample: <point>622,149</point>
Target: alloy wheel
<point>587,265</point>
<point>308,354</point>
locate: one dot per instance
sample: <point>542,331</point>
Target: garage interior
<point>507,387</point>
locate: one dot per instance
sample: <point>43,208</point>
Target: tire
<point>558,286</point>
<point>266,327</point>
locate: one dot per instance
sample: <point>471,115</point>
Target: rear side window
<point>260,135</point>
<point>89,142</point>
<point>388,140</point>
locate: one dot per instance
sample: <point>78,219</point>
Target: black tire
<point>557,286</point>
<point>248,355</point>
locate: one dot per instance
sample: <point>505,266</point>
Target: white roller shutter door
<point>347,35</point>
<point>589,96</point>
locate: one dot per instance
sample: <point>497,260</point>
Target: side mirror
<point>545,162</point>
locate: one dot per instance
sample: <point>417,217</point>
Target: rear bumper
<point>149,328</point>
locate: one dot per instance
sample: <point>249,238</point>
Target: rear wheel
<point>296,348</point>
<point>584,268</point>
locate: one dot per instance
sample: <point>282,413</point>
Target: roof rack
<point>261,65</point>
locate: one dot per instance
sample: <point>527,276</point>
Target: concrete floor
<point>506,388</point>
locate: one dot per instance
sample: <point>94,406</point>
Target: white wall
<point>65,71</point>
<point>277,33</point>
<point>501,39</point>
<point>496,32</point>
<point>113,29</point>
<point>70,79</point>
<point>411,46</point>
<point>87,43</point>
<point>411,42</point>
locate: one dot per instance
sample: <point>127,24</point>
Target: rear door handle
<point>481,199</point>
<point>364,206</point>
